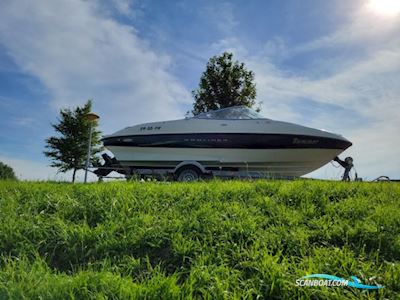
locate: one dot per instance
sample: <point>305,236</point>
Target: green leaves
<point>225,83</point>
<point>6,172</point>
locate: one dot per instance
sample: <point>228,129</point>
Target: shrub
<point>6,172</point>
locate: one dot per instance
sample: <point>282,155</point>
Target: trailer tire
<point>188,173</point>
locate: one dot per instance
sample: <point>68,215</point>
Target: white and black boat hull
<point>267,162</point>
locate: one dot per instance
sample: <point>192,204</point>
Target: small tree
<point>224,83</point>
<point>68,151</point>
<point>6,172</point>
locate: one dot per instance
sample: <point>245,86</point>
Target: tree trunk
<point>73,176</point>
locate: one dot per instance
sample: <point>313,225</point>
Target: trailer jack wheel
<point>187,174</point>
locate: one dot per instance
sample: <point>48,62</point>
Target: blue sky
<point>326,64</point>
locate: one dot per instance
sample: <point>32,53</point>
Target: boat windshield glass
<point>231,113</point>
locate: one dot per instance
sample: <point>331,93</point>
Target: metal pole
<point>89,150</point>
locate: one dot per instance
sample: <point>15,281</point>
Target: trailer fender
<point>190,163</point>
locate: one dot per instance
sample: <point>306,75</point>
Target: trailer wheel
<point>189,173</point>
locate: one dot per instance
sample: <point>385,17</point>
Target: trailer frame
<point>184,171</point>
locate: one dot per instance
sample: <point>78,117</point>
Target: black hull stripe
<point>228,140</point>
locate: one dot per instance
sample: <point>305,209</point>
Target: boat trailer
<point>184,171</point>
<point>192,170</point>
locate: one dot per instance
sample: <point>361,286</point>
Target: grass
<point>215,240</point>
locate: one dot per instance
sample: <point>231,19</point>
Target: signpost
<point>91,117</point>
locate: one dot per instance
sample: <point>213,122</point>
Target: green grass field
<point>214,240</point>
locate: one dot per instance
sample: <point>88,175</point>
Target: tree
<point>68,150</point>
<point>224,83</point>
<point>6,172</point>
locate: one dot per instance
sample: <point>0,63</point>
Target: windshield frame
<point>251,114</point>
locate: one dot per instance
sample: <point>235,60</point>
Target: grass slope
<point>215,240</point>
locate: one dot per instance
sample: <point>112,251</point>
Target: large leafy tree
<point>224,83</point>
<point>6,172</point>
<point>68,150</point>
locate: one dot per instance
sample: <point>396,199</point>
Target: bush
<point>6,172</point>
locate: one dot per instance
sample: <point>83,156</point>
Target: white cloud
<point>368,86</point>
<point>124,7</point>
<point>220,13</point>
<point>79,53</point>
<point>365,30</point>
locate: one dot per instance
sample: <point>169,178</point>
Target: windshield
<point>231,113</point>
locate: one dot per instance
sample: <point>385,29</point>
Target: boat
<point>234,140</point>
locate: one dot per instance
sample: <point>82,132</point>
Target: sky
<point>332,65</point>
